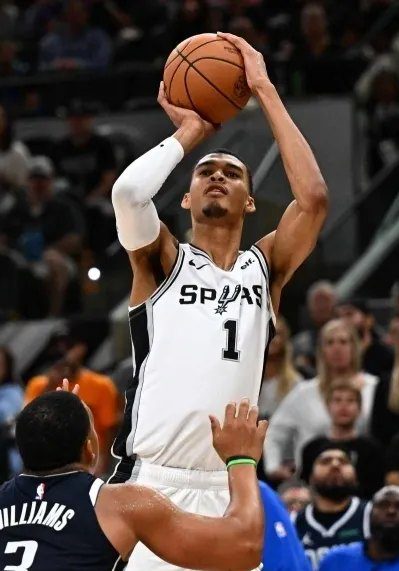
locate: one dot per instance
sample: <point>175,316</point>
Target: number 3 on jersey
<point>231,353</point>
<point>28,554</point>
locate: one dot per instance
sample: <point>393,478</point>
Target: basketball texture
<point>206,74</point>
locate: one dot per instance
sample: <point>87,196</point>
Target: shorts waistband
<point>155,475</point>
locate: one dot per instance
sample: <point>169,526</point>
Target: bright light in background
<point>94,274</point>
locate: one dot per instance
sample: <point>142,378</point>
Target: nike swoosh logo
<point>192,263</point>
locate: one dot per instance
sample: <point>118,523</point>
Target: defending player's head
<point>56,431</point>
<point>221,187</point>
<point>384,519</point>
<point>333,475</point>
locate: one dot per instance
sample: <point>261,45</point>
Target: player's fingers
<point>243,409</point>
<point>65,385</point>
<point>161,94</point>
<point>215,426</point>
<point>262,429</point>
<point>253,415</point>
<point>230,413</point>
<point>238,42</point>
<point>76,390</point>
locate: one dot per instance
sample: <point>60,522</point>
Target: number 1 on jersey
<point>231,353</point>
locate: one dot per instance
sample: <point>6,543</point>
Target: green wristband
<point>241,462</point>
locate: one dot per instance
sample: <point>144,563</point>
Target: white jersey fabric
<point>198,342</point>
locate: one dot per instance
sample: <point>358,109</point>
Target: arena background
<point>336,66</point>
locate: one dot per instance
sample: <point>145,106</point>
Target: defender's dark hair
<point>51,431</point>
<point>222,151</point>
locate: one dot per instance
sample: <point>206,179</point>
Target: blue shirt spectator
<point>77,44</point>
<point>354,558</point>
<point>282,549</point>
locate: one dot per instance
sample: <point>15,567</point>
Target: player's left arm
<point>297,232</point>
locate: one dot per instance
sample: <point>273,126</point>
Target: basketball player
<point>58,517</point>
<point>202,314</point>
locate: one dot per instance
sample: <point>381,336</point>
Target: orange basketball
<point>206,74</point>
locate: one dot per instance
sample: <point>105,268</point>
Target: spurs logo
<point>224,299</point>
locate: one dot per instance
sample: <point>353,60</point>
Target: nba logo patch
<point>280,529</point>
<point>40,491</point>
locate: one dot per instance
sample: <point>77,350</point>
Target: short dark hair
<point>51,431</point>
<point>348,387</point>
<point>223,151</point>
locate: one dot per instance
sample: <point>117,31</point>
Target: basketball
<point>206,73</point>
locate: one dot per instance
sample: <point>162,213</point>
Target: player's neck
<point>220,243</point>
<point>342,432</point>
<point>75,467</point>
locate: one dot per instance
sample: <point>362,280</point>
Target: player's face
<point>337,349</point>
<point>344,408</point>
<point>333,468</point>
<point>219,189</point>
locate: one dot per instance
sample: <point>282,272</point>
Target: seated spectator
<point>380,550</point>
<point>96,390</point>
<point>315,62</point>
<point>383,121</point>
<point>11,403</point>
<point>282,548</point>
<point>75,44</point>
<point>303,414</point>
<point>14,156</point>
<point>344,404</point>
<point>385,416</point>
<point>335,516</point>
<point>280,375</point>
<point>40,17</point>
<point>392,462</point>
<point>377,358</point>
<point>295,495</point>
<point>87,161</point>
<point>320,304</point>
<point>52,233</point>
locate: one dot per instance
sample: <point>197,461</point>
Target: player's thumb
<point>262,428</point>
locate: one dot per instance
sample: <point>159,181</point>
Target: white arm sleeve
<point>137,220</point>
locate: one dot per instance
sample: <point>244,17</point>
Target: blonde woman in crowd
<point>303,414</point>
<point>280,375</point>
<point>385,417</point>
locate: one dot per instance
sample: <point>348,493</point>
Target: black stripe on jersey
<point>138,322</point>
<point>262,260</point>
<point>172,277</point>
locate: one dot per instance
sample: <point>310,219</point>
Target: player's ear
<point>90,453</point>
<point>250,205</point>
<point>186,202</point>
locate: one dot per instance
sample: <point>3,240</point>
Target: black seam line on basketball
<point>192,51</point>
<point>215,87</point>
<point>182,59</point>
<point>189,96</point>
<point>176,56</point>
<point>219,59</point>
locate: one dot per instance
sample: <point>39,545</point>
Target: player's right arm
<point>148,242</point>
<point>232,542</point>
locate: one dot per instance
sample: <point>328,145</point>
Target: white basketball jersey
<point>198,343</point>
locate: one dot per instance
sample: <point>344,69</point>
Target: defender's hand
<point>180,116</point>
<point>66,388</point>
<point>255,67</point>
<point>241,434</point>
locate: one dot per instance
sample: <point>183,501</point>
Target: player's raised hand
<point>66,387</point>
<point>179,115</point>
<point>241,433</point>
<point>255,67</point>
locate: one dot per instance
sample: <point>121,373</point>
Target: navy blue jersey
<point>346,527</point>
<point>48,523</point>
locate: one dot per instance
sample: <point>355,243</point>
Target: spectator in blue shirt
<point>76,44</point>
<point>282,549</point>
<point>381,551</point>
